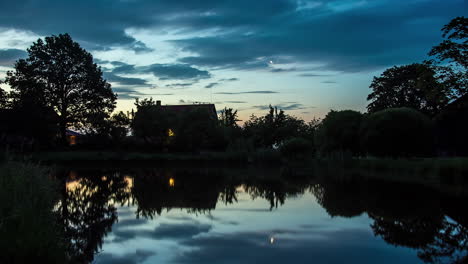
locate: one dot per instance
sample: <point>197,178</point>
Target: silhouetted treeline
<point>418,109</point>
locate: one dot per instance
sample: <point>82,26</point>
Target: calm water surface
<point>257,216</point>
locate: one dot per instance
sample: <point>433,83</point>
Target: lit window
<point>72,140</point>
<point>170,132</point>
<point>171,182</point>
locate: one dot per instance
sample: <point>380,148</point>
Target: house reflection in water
<point>157,190</point>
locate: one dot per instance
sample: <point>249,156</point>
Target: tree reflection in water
<point>403,215</point>
<point>87,210</point>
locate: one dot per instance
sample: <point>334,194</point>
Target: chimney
<point>158,103</point>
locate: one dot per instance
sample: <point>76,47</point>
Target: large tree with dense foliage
<point>339,132</point>
<point>61,75</point>
<point>151,123</point>
<point>274,128</point>
<point>415,86</point>
<point>397,132</point>
<point>450,57</point>
<point>454,48</point>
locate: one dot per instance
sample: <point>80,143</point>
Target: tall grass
<point>29,230</point>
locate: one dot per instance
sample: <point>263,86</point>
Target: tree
<point>273,128</point>
<point>3,98</point>
<point>338,132</point>
<point>151,123</point>
<point>454,49</point>
<point>61,75</point>
<point>397,132</point>
<point>414,86</point>
<point>228,117</point>
<point>452,53</point>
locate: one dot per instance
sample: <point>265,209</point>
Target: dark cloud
<point>179,85</point>
<point>177,231</point>
<point>9,56</point>
<point>111,77</point>
<point>123,68</point>
<point>127,93</point>
<point>235,102</point>
<point>162,71</point>
<point>140,47</point>
<point>365,37</point>
<point>229,80</point>
<point>293,106</point>
<point>283,70</point>
<point>162,94</point>
<point>312,75</point>
<point>130,222</point>
<point>175,72</point>
<point>211,85</point>
<point>249,92</point>
<point>132,258</point>
<point>328,82</point>
<point>340,35</point>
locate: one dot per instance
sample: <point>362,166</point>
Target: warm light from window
<point>72,140</point>
<point>170,132</point>
<point>171,182</point>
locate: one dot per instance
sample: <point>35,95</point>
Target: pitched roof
<point>185,108</point>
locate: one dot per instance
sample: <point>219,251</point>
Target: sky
<point>303,56</point>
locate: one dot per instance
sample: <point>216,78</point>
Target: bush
<point>296,148</point>
<point>28,227</point>
<point>397,132</point>
<point>339,132</point>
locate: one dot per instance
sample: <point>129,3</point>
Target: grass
<point>29,229</point>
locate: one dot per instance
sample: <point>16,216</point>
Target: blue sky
<point>306,57</point>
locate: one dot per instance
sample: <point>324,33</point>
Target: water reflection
<point>408,216</point>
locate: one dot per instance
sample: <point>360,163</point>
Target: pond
<point>257,215</point>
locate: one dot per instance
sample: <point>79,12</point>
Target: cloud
<point>338,35</point>
<point>328,82</point>
<point>293,106</point>
<point>127,93</point>
<point>312,75</point>
<point>229,80</point>
<point>283,69</point>
<point>180,85</point>
<point>178,231</point>
<point>8,57</point>
<point>211,85</point>
<point>249,92</point>
<point>111,77</point>
<point>184,230</point>
<point>235,102</point>
<point>319,246</point>
<point>175,72</point>
<point>130,258</point>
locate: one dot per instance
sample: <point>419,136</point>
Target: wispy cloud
<point>211,85</point>
<point>249,92</point>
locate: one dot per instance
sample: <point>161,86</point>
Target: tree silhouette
<point>88,211</point>
<point>59,74</point>
<point>339,131</point>
<point>3,98</point>
<point>454,49</point>
<point>397,132</point>
<point>414,86</point>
